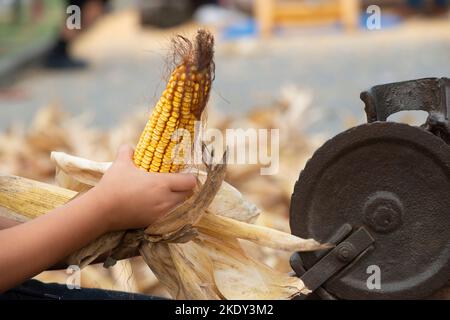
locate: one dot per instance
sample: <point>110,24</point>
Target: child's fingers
<point>180,182</point>
<point>125,154</point>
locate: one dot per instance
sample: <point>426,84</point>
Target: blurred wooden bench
<point>287,12</point>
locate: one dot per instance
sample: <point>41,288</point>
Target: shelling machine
<point>381,193</point>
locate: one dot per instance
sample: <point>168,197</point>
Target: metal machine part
<point>381,193</point>
<point>430,94</point>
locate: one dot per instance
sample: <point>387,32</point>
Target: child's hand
<point>125,198</point>
<point>135,198</point>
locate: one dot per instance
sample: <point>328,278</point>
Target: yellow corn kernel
<point>180,105</point>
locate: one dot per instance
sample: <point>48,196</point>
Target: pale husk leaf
<point>240,277</point>
<point>260,235</point>
<point>229,202</point>
<point>77,173</point>
<point>184,269</point>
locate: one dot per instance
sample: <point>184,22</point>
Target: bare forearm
<point>29,248</point>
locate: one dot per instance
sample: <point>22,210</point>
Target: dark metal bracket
<point>333,261</point>
<point>429,94</point>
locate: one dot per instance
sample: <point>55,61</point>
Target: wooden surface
<point>281,12</point>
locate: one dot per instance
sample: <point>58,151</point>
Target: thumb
<point>125,154</point>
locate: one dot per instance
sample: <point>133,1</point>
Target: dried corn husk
<point>238,276</point>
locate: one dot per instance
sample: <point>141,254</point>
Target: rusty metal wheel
<point>394,179</point>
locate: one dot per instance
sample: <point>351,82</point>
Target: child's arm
<point>125,198</point>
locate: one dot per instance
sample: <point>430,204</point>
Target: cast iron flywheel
<point>393,180</point>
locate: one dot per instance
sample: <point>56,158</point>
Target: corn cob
<point>179,107</point>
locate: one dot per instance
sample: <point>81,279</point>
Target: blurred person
<point>116,203</point>
<point>169,13</point>
<point>59,55</point>
<point>429,7</point>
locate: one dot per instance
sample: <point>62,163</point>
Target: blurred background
<point>117,60</point>
<point>297,65</point>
